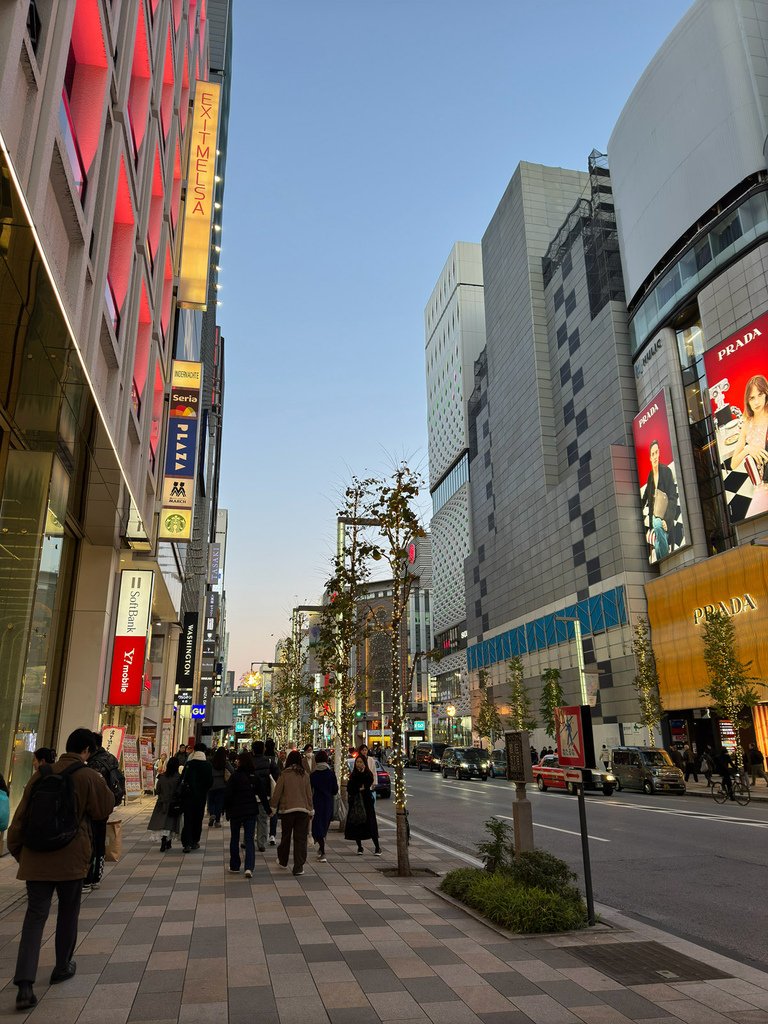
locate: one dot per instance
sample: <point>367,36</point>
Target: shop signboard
<point>661,495</point>
<point>147,764</point>
<point>178,489</point>
<point>198,207</point>
<point>185,664</point>
<point>131,767</point>
<point>129,653</point>
<point>737,379</point>
<point>112,737</point>
<point>240,726</point>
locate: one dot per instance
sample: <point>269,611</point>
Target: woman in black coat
<point>361,814</point>
<point>163,819</point>
<point>242,796</point>
<point>325,786</point>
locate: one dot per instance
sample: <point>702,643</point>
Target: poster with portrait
<point>661,499</point>
<point>737,380</point>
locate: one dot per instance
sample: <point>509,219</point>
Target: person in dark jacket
<point>244,798</point>
<point>221,772</point>
<point>263,769</point>
<point>361,803</point>
<point>195,783</point>
<point>104,763</point>
<point>60,871</point>
<point>325,786</point>
<point>274,770</point>
<point>163,820</point>
<point>726,765</point>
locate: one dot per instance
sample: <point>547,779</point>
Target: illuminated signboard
<point>129,653</point>
<point>198,206</point>
<point>737,379</point>
<point>661,498</point>
<point>178,489</point>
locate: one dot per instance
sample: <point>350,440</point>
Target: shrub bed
<point>533,893</point>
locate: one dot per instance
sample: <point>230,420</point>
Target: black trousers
<point>39,896</point>
<point>193,823</point>
<point>99,843</point>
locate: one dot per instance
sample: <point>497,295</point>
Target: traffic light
<point>359,714</point>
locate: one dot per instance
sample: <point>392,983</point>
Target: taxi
<point>550,774</point>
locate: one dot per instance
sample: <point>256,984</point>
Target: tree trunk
<point>403,854</point>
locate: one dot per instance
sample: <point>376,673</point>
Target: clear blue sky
<point>365,138</point>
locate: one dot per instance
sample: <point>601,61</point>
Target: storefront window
<point>690,344</point>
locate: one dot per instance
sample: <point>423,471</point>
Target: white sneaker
<point>360,853</point>
<point>271,840</point>
<point>297,873</point>
<point>323,859</point>
<point>249,874</point>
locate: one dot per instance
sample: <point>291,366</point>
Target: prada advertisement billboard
<point>661,499</point>
<point>185,666</point>
<point>737,379</point>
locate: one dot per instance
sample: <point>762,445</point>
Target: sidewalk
<point>758,792</point>
<point>176,939</point>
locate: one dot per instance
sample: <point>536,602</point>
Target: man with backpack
<point>50,837</point>
<point>107,766</point>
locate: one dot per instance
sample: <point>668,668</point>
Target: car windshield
<point>471,755</point>
<point>657,758</point>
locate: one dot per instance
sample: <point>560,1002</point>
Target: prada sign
<point>731,607</point>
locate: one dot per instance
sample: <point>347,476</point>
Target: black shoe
<point>187,849</point>
<point>60,974</point>
<point>164,844</point>
<point>195,846</point>
<point>26,998</point>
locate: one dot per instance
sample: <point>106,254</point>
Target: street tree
<point>488,719</point>
<point>552,696</point>
<point>520,711</point>
<point>392,506</point>
<point>646,681</point>
<point>342,626</point>
<point>730,690</point>
<point>291,688</point>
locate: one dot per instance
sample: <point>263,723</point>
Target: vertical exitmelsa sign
<point>198,207</point>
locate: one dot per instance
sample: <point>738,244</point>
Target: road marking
<point>699,815</point>
<point>439,846</point>
<point>552,828</point>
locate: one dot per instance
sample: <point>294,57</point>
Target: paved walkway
<point>174,939</point>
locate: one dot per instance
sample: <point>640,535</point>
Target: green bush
<point>541,870</point>
<point>517,907</point>
<point>498,851</point>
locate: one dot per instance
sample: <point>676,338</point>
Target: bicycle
<point>740,788</point>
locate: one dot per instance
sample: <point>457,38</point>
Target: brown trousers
<point>296,824</point>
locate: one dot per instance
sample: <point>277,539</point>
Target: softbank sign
<point>129,653</point>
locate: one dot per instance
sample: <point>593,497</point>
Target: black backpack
<point>51,820</point>
<point>107,766</point>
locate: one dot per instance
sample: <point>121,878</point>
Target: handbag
<point>113,841</point>
<point>660,503</point>
<point>357,814</point>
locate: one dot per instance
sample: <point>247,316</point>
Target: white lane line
<point>726,819</point>
<point>552,828</point>
<point>439,846</point>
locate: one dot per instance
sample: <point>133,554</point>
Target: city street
<point>659,858</point>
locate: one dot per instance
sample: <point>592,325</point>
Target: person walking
<point>43,755</point>
<point>244,798</point>
<point>221,773</point>
<point>308,759</point>
<point>292,800</point>
<point>361,820</point>
<point>325,786</point>
<point>50,837</point>
<point>166,812</point>
<point>677,757</point>
<point>181,755</point>
<point>689,764</point>
<point>756,764</point>
<point>275,768</point>
<point>707,765</point>
<point>605,756</point>
<point>195,783</point>
<point>107,766</point>
<point>262,767</point>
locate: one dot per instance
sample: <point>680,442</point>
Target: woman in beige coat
<point>292,800</point>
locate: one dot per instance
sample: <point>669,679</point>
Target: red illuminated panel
<point>155,208</point>
<point>141,357</point>
<point>176,187</point>
<point>84,90</point>
<point>184,98</point>
<point>120,250</point>
<point>165,309</point>
<point>138,94</point>
<point>166,98</point>
<point>157,415</point>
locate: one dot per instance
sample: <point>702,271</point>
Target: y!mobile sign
<point>130,649</point>
<point>198,209</point>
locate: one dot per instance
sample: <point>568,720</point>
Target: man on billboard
<point>660,505</point>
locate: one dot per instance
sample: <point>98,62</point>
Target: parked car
<point>465,763</point>
<point>383,787</point>
<point>428,756</point>
<point>550,774</point>
<point>498,764</point>
<point>646,768</point>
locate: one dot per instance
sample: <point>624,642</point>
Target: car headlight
<point>610,778</point>
<point>655,771</point>
<point>486,765</point>
<point>463,764</point>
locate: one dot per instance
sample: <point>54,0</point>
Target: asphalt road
<point>692,867</point>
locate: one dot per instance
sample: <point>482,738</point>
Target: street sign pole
<point>517,745</point>
<point>574,775</point>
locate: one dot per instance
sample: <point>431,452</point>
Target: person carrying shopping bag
<point>361,820</point>
<point>292,800</point>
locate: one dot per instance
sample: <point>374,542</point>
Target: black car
<point>428,756</point>
<point>498,764</point>
<point>465,763</point>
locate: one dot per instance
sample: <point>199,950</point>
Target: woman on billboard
<point>752,447</point>
<point>661,503</point>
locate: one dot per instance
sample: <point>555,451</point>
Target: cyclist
<point>725,765</point>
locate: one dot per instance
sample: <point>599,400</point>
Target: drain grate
<point>641,963</point>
